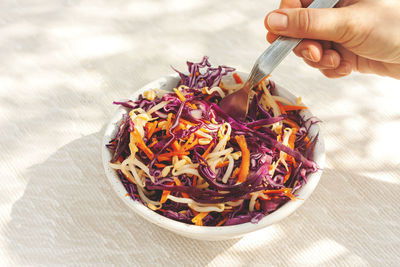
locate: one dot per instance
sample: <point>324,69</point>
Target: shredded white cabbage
<point>228,170</point>
<point>225,131</point>
<point>207,208</point>
<point>139,121</point>
<point>268,102</point>
<point>286,134</point>
<point>219,153</point>
<point>253,199</point>
<point>157,107</point>
<point>212,90</point>
<point>203,134</point>
<point>144,168</point>
<point>234,203</point>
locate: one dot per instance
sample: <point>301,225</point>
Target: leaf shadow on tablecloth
<point>69,214</point>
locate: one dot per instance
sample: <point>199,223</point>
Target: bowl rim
<point>194,231</point>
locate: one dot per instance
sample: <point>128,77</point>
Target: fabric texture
<point>63,62</point>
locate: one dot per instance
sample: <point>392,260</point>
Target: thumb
<point>331,24</point>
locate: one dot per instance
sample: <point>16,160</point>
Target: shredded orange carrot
<point>209,96</point>
<point>266,77</point>
<point>169,123</point>
<point>186,122</point>
<point>290,195</point>
<point>223,221</point>
<point>168,156</point>
<point>205,154</point>
<point>178,182</point>
<point>191,145</point>
<point>237,78</point>
<point>291,123</point>
<point>160,165</point>
<point>245,164</point>
<point>291,108</point>
<point>257,205</point>
<point>222,164</point>
<point>191,138</point>
<point>292,139</point>
<point>163,158</point>
<point>179,94</point>
<point>151,128</point>
<point>198,219</point>
<point>285,191</point>
<point>283,111</point>
<point>194,181</point>
<point>157,130</point>
<point>154,141</point>
<point>140,143</point>
<point>235,172</point>
<point>148,125</point>
<point>176,146</point>
<point>129,179</point>
<point>188,142</point>
<point>193,106</point>
<point>164,196</point>
<point>308,141</point>
<point>180,126</point>
<point>275,191</point>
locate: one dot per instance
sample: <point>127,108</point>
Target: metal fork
<point>236,104</point>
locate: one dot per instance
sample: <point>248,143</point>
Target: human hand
<point>359,35</point>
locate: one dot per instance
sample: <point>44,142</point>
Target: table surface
<point>63,62</point>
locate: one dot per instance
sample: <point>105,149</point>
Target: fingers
<point>329,61</point>
<point>295,3</point>
<point>271,37</point>
<point>309,49</point>
<point>290,4</point>
<point>342,70</point>
<point>323,23</point>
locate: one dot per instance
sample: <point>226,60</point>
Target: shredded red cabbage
<point>265,173</point>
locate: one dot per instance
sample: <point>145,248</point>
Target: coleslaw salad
<point>184,158</point>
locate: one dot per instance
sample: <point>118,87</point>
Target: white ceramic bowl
<point>208,232</point>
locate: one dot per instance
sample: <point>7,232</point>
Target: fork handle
<point>279,49</point>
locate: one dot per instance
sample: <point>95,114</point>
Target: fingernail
<point>331,62</point>
<point>306,54</point>
<point>277,21</point>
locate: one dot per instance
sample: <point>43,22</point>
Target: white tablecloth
<point>63,62</point>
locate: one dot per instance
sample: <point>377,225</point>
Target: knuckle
<point>304,20</point>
